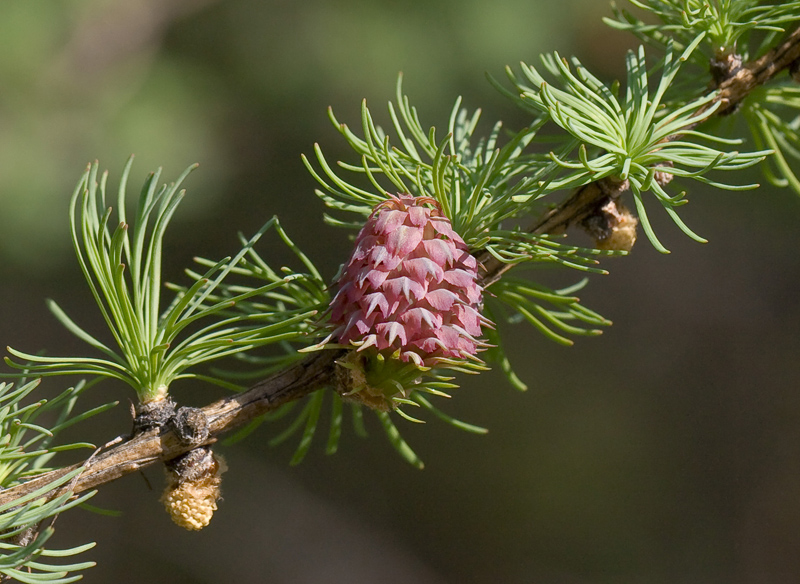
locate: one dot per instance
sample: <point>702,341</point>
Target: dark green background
<point>665,451</point>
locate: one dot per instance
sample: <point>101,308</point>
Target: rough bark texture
<point>153,445</point>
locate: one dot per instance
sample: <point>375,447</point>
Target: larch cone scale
<point>410,288</point>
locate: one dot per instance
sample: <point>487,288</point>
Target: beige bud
<point>193,488</point>
<point>612,226</point>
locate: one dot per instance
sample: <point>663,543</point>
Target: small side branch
<point>735,89</point>
<point>314,372</point>
<point>587,199</point>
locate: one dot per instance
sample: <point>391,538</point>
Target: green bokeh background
<point>666,451</point>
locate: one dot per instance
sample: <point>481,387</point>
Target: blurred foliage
<point>237,86</point>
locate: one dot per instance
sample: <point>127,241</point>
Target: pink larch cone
<point>410,287</point>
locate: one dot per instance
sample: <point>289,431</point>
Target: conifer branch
<point>744,80</point>
<point>588,199</point>
<point>143,449</point>
<point>318,370</point>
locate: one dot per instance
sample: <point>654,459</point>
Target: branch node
<point>191,425</point>
<point>724,67</point>
<point>153,414</point>
<point>611,225</point>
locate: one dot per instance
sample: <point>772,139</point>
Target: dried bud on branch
<point>192,489</point>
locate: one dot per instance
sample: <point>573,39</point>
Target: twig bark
<point>318,369</point>
<point>312,373</point>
